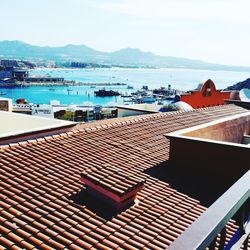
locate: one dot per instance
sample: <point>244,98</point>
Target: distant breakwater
<point>64,83</point>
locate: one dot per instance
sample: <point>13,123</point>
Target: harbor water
<point>181,79</point>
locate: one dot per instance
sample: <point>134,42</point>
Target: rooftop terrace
<point>17,125</point>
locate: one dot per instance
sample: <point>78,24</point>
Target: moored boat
<point>104,92</point>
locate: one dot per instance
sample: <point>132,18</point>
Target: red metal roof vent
<point>112,185</point>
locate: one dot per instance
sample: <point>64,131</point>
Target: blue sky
<point>211,30</point>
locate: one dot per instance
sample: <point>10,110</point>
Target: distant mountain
<point>17,49</point>
<point>124,57</point>
<point>240,85</point>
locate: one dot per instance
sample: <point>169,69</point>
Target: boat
<point>52,89</point>
<point>2,93</point>
<point>169,98</point>
<point>164,91</point>
<point>145,99</point>
<point>104,92</point>
<point>126,95</point>
<point>21,101</point>
<point>130,87</point>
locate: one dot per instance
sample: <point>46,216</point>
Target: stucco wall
<point>210,156</point>
<point>129,112</point>
<point>228,131</point>
<point>208,167</point>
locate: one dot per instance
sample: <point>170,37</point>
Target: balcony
<point>234,203</point>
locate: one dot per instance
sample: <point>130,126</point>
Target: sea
<point>181,79</point>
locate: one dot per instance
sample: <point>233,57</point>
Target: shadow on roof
<point>188,183</point>
<point>95,204</point>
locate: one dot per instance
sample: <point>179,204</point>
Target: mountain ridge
<point>123,57</point>
<point>240,85</point>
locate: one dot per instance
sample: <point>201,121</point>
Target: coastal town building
<point>244,104</point>
<point>43,79</point>
<point>78,113</point>
<point>5,104</point>
<point>206,95</point>
<point>19,127</point>
<point>5,74</point>
<point>113,184</point>
<point>145,108</point>
<point>137,109</point>
<point>10,70</point>
<point>22,108</point>
<point>20,74</point>
<point>8,63</point>
<point>240,98</point>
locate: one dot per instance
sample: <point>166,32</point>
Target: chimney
<point>112,185</point>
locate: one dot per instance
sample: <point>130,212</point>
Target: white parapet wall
<point>14,126</point>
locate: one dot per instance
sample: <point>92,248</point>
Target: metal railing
<point>204,231</point>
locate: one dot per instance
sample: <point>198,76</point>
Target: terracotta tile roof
<point>43,203</point>
<point>112,179</point>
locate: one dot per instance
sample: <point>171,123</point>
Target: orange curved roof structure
<point>207,96</point>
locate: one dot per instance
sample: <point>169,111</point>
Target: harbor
<point>79,85</point>
<point>16,73</point>
<point>143,101</point>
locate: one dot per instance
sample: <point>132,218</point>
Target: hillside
<point>240,85</point>
<point>124,57</point>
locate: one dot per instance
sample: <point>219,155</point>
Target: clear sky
<point>211,30</point>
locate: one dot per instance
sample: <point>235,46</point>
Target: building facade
<point>206,96</point>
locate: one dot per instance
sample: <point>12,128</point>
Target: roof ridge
<point>42,139</point>
<point>122,121</point>
<point>128,120</point>
<point>114,122</point>
<point>138,118</point>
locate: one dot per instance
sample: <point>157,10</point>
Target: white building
<point>6,104</point>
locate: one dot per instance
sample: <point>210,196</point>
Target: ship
<point>145,99</point>
<point>104,92</point>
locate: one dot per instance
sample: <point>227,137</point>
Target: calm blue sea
<point>183,79</point>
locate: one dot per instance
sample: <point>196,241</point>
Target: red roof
<point>38,179</point>
<point>112,179</point>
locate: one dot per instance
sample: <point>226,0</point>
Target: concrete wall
<point>129,112</point>
<point>242,104</point>
<point>138,109</point>
<point>15,125</point>
<point>206,170</point>
<point>228,131</point>
<point>208,163</point>
<point>246,139</point>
